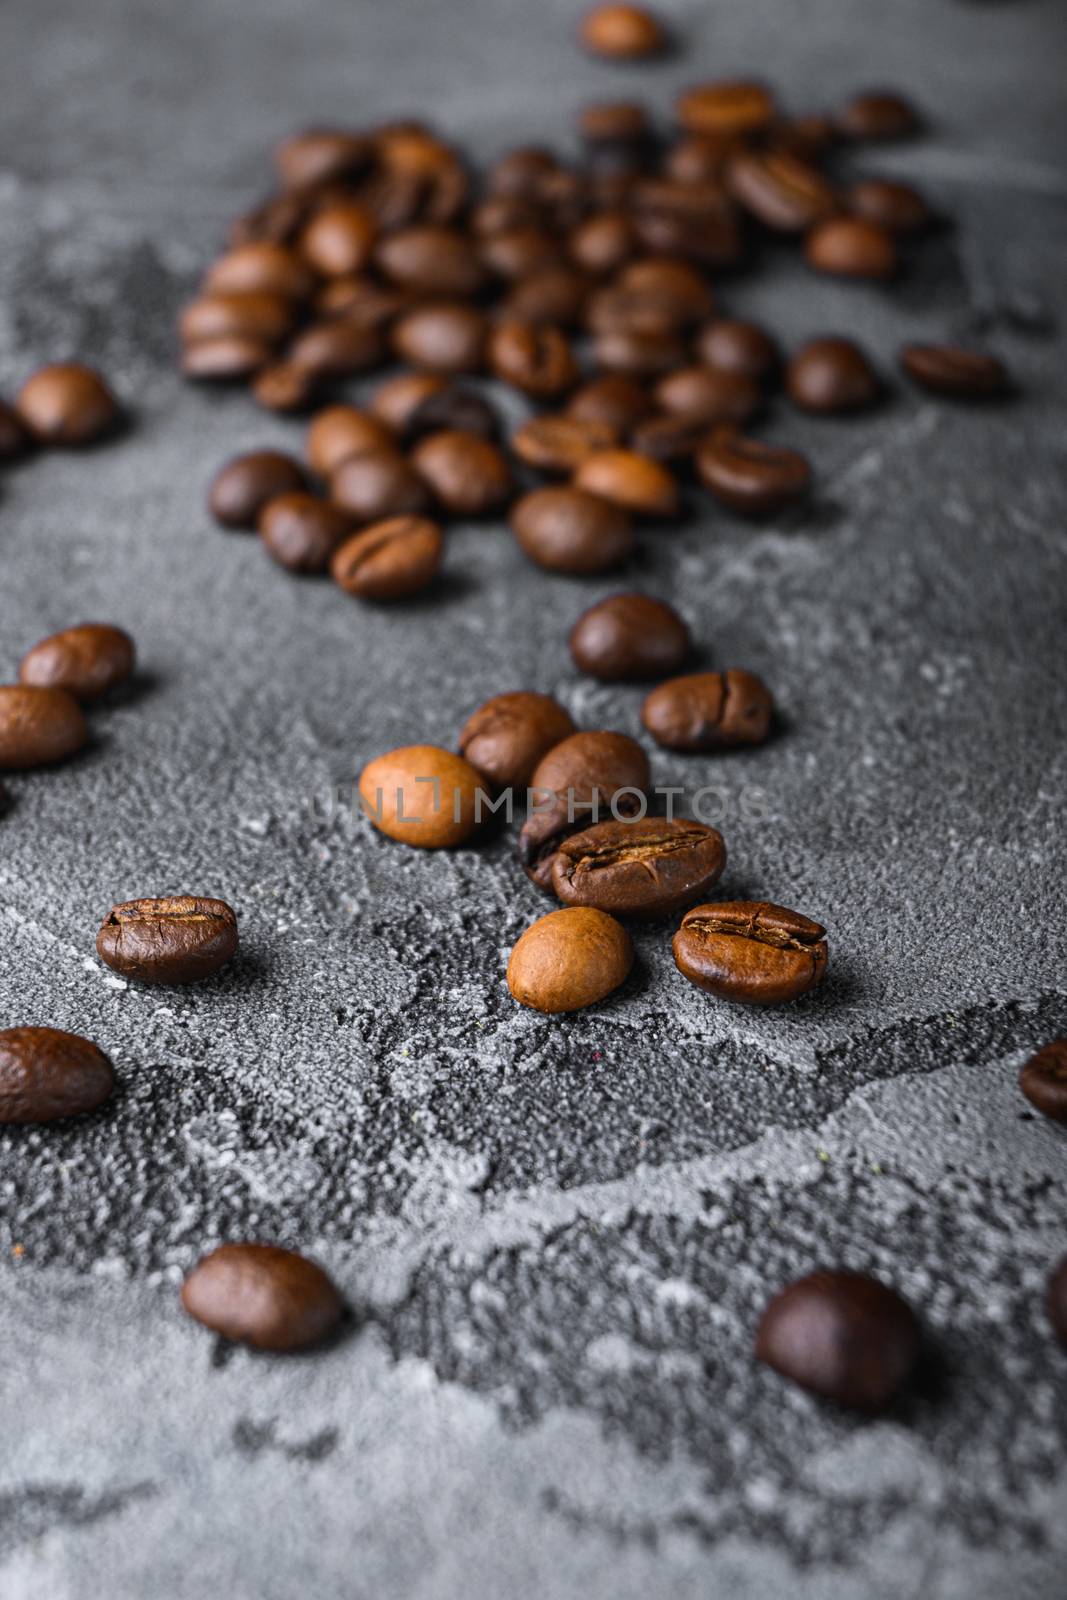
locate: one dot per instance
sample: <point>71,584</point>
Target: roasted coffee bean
<point>390,560</point>
<point>629,638</point>
<point>261,1295</point>
<point>396,401</point>
<point>553,298</point>
<point>16,440</point>
<point>242,487</point>
<point>751,951</point>
<point>46,1074</point>
<point>261,267</point>
<point>469,475</point>
<point>580,781</point>
<point>339,239</point>
<point>302,531</point>
<point>1057,1301</point>
<point>252,315</point>
<point>305,160</point>
<point>831,376</point>
<point>423,796</point>
<point>337,348</point>
<point>614,122</point>
<point>878,114</point>
<point>559,444</point>
<point>700,157</point>
<point>709,394</point>
<point>519,252</point>
<point>507,736</point>
<point>843,1336</point>
<point>276,221</point>
<point>432,260</point>
<point>87,661</point>
<point>649,867</point>
<point>442,338</point>
<point>342,431</point>
<point>676,288</point>
<point>850,247</point>
<point>959,374</point>
<point>537,360</point>
<point>286,388</point>
<point>225,360</point>
<point>500,213</point>
<point>626,33</point>
<point>752,478</point>
<point>67,405</point>
<point>741,347</point>
<point>630,480</point>
<point>781,191</point>
<point>451,409</point>
<point>172,940</point>
<point>895,206</point>
<point>379,483</point>
<point>709,711</point>
<point>1043,1080</point>
<point>726,108</point>
<point>603,242</point>
<point>615,400</point>
<point>640,355</point>
<point>568,530</point>
<point>673,440</point>
<point>569,959</point>
<point>809,137</point>
<point>38,726</point>
<point>360,298</point>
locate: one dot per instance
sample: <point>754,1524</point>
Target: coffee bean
<point>700,157</point>
<point>640,355</point>
<point>625,33</point>
<point>261,267</point>
<point>16,439</point>
<point>850,247</point>
<point>614,122</point>
<point>390,560</point>
<point>423,796</point>
<point>520,251</point>
<point>276,221</point>
<point>726,108</point>
<point>577,782</point>
<point>878,114</point>
<point>810,137</point>
<point>750,951</point>
<point>676,291</point>
<point>741,347</point>
<point>537,360</point>
<point>305,160</point>
<point>469,475</point>
<point>67,405</point>
<point>895,206</point>
<point>569,959</point>
<point>342,431</point>
<point>358,297</point>
<point>709,394</point>
<point>379,483</point>
<point>615,400</point>
<point>337,348</point>
<point>251,315</point>
<point>629,637</point>
<point>432,260</point>
<point>630,480</point>
<point>46,1074</point>
<point>552,299</point>
<point>507,736</point>
<point>261,1295</point>
<point>1043,1080</point>
<point>709,711</point>
<point>831,376</point>
<point>646,868</point>
<point>38,726</point>
<point>286,388</point>
<point>173,940</point>
<point>1057,1301</point>
<point>959,374</point>
<point>844,1337</point>
<point>339,240</point>
<point>568,530</point>
<point>302,531</point>
<point>442,338</point>
<point>752,478</point>
<point>559,444</point>
<point>603,242</point>
<point>225,360</point>
<point>242,487</point>
<point>672,440</point>
<point>700,223</point>
<point>452,409</point>
<point>87,661</point>
<point>397,400</point>
<point>781,191</point>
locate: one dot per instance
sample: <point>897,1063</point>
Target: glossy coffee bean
<point>87,661</point>
<point>953,372</point>
<point>1043,1080</point>
<point>559,444</point>
<point>229,359</point>
<point>830,377</point>
<point>261,267</point>
<point>337,348</point>
<point>844,1337</point>
<point>742,347</point>
<point>649,867</point>
<point>1057,1301</point>
<point>379,483</point>
<point>537,360</point>
<point>568,530</point>
<point>895,206</point>
<point>46,1074</point>
<point>391,560</point>
<point>301,531</point>
<point>172,940</point>
<point>432,260</point>
<point>38,726</point>
<point>242,487</point>
<point>442,337</point>
<point>752,478</point>
<point>878,114</point>
<point>623,32</point>
<point>726,108</point>
<point>507,736</point>
<point>339,239</point>
<point>632,481</point>
<point>614,122</point>
<point>357,297</point>
<point>277,221</point>
<point>517,252</point>
<point>575,784</point>
<point>850,247</point>
<point>629,637</point>
<point>709,711</point>
<point>452,409</point>
<point>286,388</point>
<point>252,315</point>
<point>554,297</point>
<point>16,440</point>
<point>700,157</point>
<point>603,242</point>
<point>751,951</point>
<point>261,1295</point>
<point>397,400</point>
<point>342,431</point>
<point>709,394</point>
<point>675,290</point>
<point>67,405</point>
<point>423,796</point>
<point>640,355</point>
<point>569,959</point>
<point>469,475</point>
<point>613,400</point>
<point>672,440</point>
<point>319,155</point>
<point>781,191</point>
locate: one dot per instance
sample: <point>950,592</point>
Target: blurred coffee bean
<point>38,726</point>
<point>261,1295</point>
<point>629,637</point>
<point>742,347</point>
<point>559,444</point>
<point>46,1074</point>
<point>878,114</point>
<point>850,247</point>
<point>954,372</point>
<point>623,32</point>
<point>442,337</point>
<point>242,487</point>
<point>895,206</point>
<point>615,400</point>
<point>391,560</point>
<point>831,376</point>
<point>1043,1080</point>
<point>709,394</point>
<point>568,530</point>
<point>751,477</point>
<point>537,360</point>
<point>630,480</point>
<point>469,475</point>
<point>844,1336</point>
<point>88,661</point>
<point>66,405</point>
<point>262,267</point>
<point>379,483</point>
<point>781,191</point>
<point>301,531</point>
<point>726,108</point>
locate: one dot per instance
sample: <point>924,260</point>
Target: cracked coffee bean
<point>242,487</point>
<point>38,726</point>
<point>709,711</point>
<point>1057,1301</point>
<point>379,483</point>
<point>953,372</point>
<point>67,405</point>
<point>632,481</point>
<point>507,736</point>
<point>343,431</point>
<point>850,247</point>
<point>172,940</point>
<point>87,661</point>
<point>391,560</point>
<point>569,959</point>
<point>568,530</point>
<point>751,951</point>
<point>46,1074</point>
<point>576,783</point>
<point>623,32</point>
<point>647,868</point>
<point>302,531</point>
<point>830,377</point>
<point>423,796</point>
<point>844,1337</point>
<point>469,475</point>
<point>261,1295</point>
<point>752,478</point>
<point>629,637</point>
<point>1043,1080</point>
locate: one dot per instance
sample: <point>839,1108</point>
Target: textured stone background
<point>555,1236</point>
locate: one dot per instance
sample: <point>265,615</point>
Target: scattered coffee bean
<point>261,1295</point>
<point>342,431</point>
<point>1057,1301</point>
<point>672,440</point>
<point>615,401</point>
<point>629,637</point>
<point>230,359</point>
<point>469,475</point>
<point>638,354</point>
<point>46,1074</point>
<point>262,316</point>
<point>560,444</point>
<point>16,439</point>
<point>752,478</point>
<point>442,338</point>
<point>750,951</point>
<point>241,488</point>
<point>379,483</point>
<point>263,267</point>
<point>1043,1080</point>
<point>577,782</point>
<point>397,400</point>
<point>67,405</point>
<point>38,726</point>
<point>391,560</point>
<point>623,32</point>
<point>781,191</point>
<point>87,660</point>
<point>507,736</point>
<point>569,530</point>
<point>537,360</point>
<point>302,531</point>
<point>959,374</point>
<point>173,940</point>
<point>422,795</point>
<point>737,109</point>
<point>843,1336</point>
<point>451,409</point>
<point>339,239</point>
<point>851,247</point>
<point>878,114</point>
<point>832,376</point>
<point>569,959</point>
<point>742,347</point>
<point>896,206</point>
<point>633,481</point>
<point>709,394</point>
<point>709,711</point>
<point>646,868</point>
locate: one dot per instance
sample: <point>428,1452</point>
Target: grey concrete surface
<point>555,1236</point>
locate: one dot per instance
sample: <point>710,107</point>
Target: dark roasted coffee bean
<point>1057,1301</point>
<point>432,260</point>
<point>46,1074</point>
<point>630,480</point>
<point>628,638</point>
<point>379,483</point>
<point>469,475</point>
<point>959,374</point>
<point>709,711</point>
<point>741,347</point>
<point>261,267</point>
<point>360,298</point>
<point>640,355</point>
<point>38,726</point>
<point>390,560</point>
<point>251,315</point>
<point>677,288</point>
<point>225,360</point>
<point>87,661</point>
<point>647,867</point>
<point>537,360</point>
<point>276,221</point>
<point>614,122</point>
<point>342,431</point>
<point>507,736</point>
<point>337,348</point>
<point>568,530</point>
<point>578,782</point>
<point>67,404</point>
<point>442,337</point>
<point>1043,1080</point>
<point>616,400</point>
<point>850,247</point>
<point>709,394</point>
<point>672,440</point>
<point>261,1295</point>
<point>519,252</point>
<point>396,401</point>
<point>286,388</point>
<point>896,206</point>
<point>524,174</point>
<point>569,959</point>
<point>554,297</point>
<point>452,409</point>
<point>241,488</point>
<point>700,157</point>
<point>501,213</point>
<point>808,137</point>
<point>751,951</point>
<point>878,114</point>
<point>831,376</point>
<point>603,242</point>
<point>781,191</point>
<point>15,437</point>
<point>843,1336</point>
<point>751,477</point>
<point>176,939</point>
<point>726,108</point>
<point>302,531</point>
<point>339,240</point>
<point>615,311</point>
<point>422,796</point>
<point>623,32</point>
<point>320,155</point>
<point>560,444</point>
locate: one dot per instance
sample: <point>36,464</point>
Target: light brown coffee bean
<point>88,660</point>
<point>46,1074</point>
<point>342,431</point>
<point>302,531</point>
<point>339,239</point>
<point>38,726</point>
<point>508,735</point>
<point>751,952</point>
<point>559,444</point>
<point>469,475</point>
<point>243,486</point>
<point>442,337</point>
<point>261,267</point>
<point>67,404</point>
<point>390,560</point>
<point>850,247</point>
<point>726,108</point>
<point>568,530</point>
<point>647,867</point>
<point>423,796</point>
<point>261,1295</point>
<point>286,388</point>
<point>623,32</point>
<point>174,939</point>
<point>630,480</point>
<point>569,959</point>
<point>709,711</point>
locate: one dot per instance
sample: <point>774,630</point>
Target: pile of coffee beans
<point>42,720</point>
